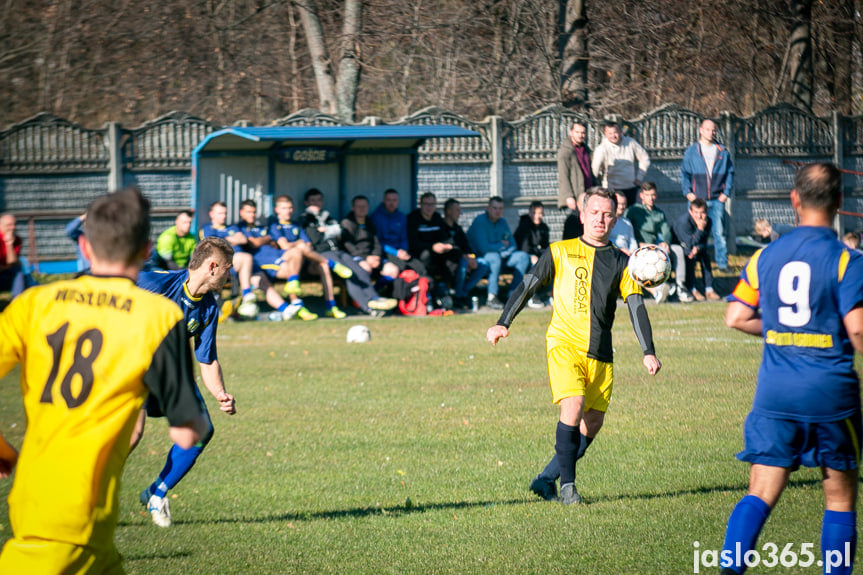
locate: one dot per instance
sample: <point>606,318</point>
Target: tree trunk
<point>348,80</point>
<point>839,61</point>
<point>319,54</point>
<point>800,54</point>
<point>572,51</point>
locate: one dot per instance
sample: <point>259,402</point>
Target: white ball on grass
<point>359,334</point>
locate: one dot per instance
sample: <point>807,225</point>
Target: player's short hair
<point>248,202</point>
<point>190,213</point>
<point>311,192</point>
<point>207,248</point>
<point>358,197</point>
<point>118,226</point>
<point>449,203</point>
<point>819,186</point>
<point>217,203</point>
<point>533,205</point>
<point>610,124</point>
<point>602,193</point>
<point>428,195</point>
<point>390,191</point>
<point>699,203</point>
<point>494,199</point>
<point>647,186</point>
<point>283,199</point>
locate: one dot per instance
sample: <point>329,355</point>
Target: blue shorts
<point>789,443</point>
<point>268,259</point>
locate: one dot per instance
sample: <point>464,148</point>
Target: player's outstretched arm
<point>495,333</point>
<point>211,373</point>
<point>8,457</point>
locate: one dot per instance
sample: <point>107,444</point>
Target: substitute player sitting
<point>192,290</point>
<point>91,349</point>
<point>295,245</point>
<point>803,294</point>
<point>588,274</point>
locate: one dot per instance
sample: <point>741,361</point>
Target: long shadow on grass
<point>355,513</point>
<point>742,486</point>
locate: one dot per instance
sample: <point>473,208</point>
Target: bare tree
<point>573,52</point>
<point>800,68</point>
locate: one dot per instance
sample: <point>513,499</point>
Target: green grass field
<point>412,454</point>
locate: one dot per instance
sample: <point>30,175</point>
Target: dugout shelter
<point>263,163</point>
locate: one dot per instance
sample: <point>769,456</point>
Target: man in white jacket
<point>619,162</point>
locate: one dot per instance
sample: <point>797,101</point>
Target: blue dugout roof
<point>343,137</point>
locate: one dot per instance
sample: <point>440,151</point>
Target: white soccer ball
<point>359,334</point>
<point>649,266</point>
<point>248,310</point>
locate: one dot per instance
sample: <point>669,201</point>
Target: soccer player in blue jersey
<point>803,294</point>
<point>192,290</point>
<point>294,243</point>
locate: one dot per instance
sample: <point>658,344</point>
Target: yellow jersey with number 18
<point>90,350</point>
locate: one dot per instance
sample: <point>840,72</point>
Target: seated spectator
<point>651,227</point>
<point>532,237</point>
<point>572,226</point>
<point>174,246</point>
<point>763,232</point>
<point>325,234</point>
<point>242,263</point>
<point>14,273</point>
<point>491,238</point>
<point>392,230</point>
<point>471,269</point>
<point>270,261</point>
<point>692,230</point>
<point>622,234</point>
<point>296,248</point>
<point>74,230</point>
<point>430,243</point>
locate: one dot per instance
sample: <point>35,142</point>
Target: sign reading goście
<point>308,155</point>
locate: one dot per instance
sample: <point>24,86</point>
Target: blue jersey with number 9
<point>804,284</point>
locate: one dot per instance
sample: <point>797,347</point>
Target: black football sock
<point>566,446</point>
<point>582,447</point>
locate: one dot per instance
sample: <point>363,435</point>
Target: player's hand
<point>652,364</point>
<point>403,255</point>
<point>227,403</point>
<point>495,333</point>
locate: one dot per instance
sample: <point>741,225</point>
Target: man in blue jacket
<point>391,227</point>
<point>707,173</point>
<point>490,237</point>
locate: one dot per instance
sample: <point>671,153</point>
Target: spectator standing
<point>692,230</point>
<point>14,275</point>
<point>491,238</point>
<point>619,162</point>
<point>175,245</point>
<point>651,227</point>
<point>707,173</point>
<point>471,269</point>
<point>574,174</point>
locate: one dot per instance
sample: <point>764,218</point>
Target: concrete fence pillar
<point>496,175</point>
<point>115,155</point>
<point>730,229</point>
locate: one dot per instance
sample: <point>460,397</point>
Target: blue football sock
<point>294,277</point>
<point>247,291</point>
<point>744,525</point>
<point>566,446</point>
<point>178,464</point>
<point>331,303</point>
<point>331,264</point>
<point>283,307</point>
<point>838,540</point>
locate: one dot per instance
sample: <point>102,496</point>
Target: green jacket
<point>650,226</point>
<point>170,247</point>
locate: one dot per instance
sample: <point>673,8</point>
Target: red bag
<point>414,292</point>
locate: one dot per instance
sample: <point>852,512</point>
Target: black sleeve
<point>522,236</point>
<point>349,242</point>
<point>171,380</point>
<point>539,276</point>
<point>641,323</point>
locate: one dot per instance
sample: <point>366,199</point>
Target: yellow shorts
<point>572,373</point>
<point>43,556</point>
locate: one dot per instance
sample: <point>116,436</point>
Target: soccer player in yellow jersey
<point>589,274</point>
<point>90,350</point>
